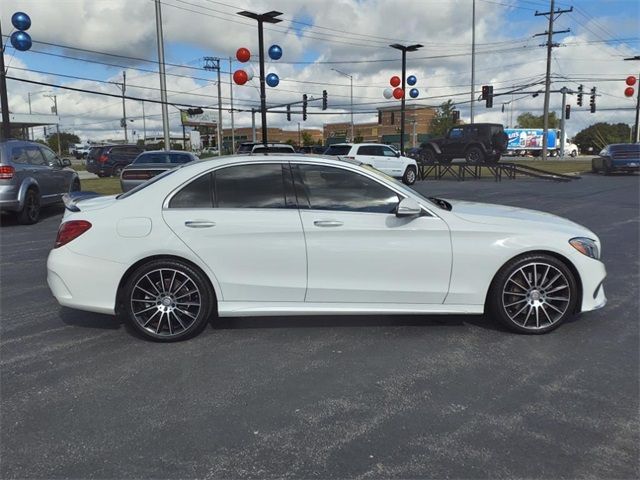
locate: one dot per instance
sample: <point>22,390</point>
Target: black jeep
<point>477,143</point>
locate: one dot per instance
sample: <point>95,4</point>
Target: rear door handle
<point>199,224</point>
<point>327,223</point>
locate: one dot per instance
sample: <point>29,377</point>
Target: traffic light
<point>304,106</point>
<point>455,116</point>
<point>567,112</point>
<point>592,101</point>
<point>289,112</point>
<point>630,81</point>
<point>487,95</point>
<point>580,90</point>
<point>324,100</point>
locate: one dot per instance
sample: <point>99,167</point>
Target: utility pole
<point>5,132</point>
<point>351,80</point>
<point>253,125</point>
<point>637,125</point>
<point>55,110</point>
<point>299,145</point>
<point>163,78</point>
<point>31,129</point>
<point>144,126</point>
<point>552,14</point>
<point>564,91</point>
<point>404,49</point>
<point>213,63</point>
<point>123,88</point>
<point>233,131</point>
<point>473,57</point>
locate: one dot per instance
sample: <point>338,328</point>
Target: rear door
<point>451,147</point>
<point>243,222</point>
<point>367,154</point>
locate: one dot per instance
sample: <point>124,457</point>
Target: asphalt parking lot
<point>329,397</point>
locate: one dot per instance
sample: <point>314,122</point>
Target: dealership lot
<point>329,397</point>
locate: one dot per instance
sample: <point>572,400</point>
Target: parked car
<point>81,151</point>
<point>478,143</point>
<point>383,157</point>
<point>108,160</point>
<point>32,176</point>
<point>260,148</point>
<point>617,157</point>
<point>209,151</point>
<point>313,149</point>
<point>295,235</point>
<point>149,164</point>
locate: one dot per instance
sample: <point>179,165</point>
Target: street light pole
<point>351,81</point>
<point>473,57</point>
<point>163,78</point>
<point>269,17</point>
<point>404,49</point>
<point>5,132</point>
<point>55,108</point>
<point>637,132</point>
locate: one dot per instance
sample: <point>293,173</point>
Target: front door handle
<point>327,223</point>
<point>199,224</point>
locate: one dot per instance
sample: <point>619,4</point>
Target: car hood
<point>491,214</point>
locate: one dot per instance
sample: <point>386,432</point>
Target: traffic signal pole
<point>5,132</point>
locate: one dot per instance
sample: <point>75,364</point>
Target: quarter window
<point>330,188</point>
<point>196,194</point>
<point>251,186</point>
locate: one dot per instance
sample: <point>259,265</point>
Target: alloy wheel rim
<point>536,296</point>
<point>32,207</point>
<point>166,302</point>
<point>411,176</point>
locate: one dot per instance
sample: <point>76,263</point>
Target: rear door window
<point>338,150</point>
<point>367,150</point>
<point>251,186</point>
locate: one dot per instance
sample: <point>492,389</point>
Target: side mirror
<point>398,154</point>
<point>66,162</point>
<point>408,207</point>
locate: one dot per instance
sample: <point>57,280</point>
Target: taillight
<point>103,158</point>
<point>6,172</point>
<point>136,175</point>
<point>71,230</point>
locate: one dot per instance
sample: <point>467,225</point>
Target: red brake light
<point>71,230</point>
<point>136,175</point>
<point>102,158</point>
<point>6,172</point>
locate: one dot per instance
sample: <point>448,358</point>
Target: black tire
<point>75,185</point>
<point>500,141</point>
<point>607,168</point>
<point>574,153</point>
<point>428,156</point>
<point>474,156</point>
<point>594,169</point>
<point>410,176</point>
<point>148,288</point>
<point>30,212</point>
<point>508,293</point>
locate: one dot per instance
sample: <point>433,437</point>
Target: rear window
<point>95,152</point>
<point>144,185</point>
<point>164,158</point>
<point>338,150</point>
<point>496,129</point>
<point>245,148</point>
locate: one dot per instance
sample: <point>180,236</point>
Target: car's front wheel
<point>533,294</point>
<point>167,300</point>
<point>410,175</point>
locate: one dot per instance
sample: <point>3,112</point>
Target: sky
<point>87,44</point>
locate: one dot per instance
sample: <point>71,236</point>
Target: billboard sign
<point>526,138</point>
<point>206,118</point>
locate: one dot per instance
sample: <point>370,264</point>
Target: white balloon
<point>387,93</point>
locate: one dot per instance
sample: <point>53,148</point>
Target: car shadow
<point>79,318</point>
<point>9,219</point>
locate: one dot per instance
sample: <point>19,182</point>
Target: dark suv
<point>477,143</point>
<point>107,160</point>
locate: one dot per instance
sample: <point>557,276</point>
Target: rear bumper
<point>100,169</point>
<point>9,197</point>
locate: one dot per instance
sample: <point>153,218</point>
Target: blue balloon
<point>413,93</point>
<point>275,52</point>
<point>411,79</point>
<point>21,41</point>
<point>273,80</point>
<point>21,21</point>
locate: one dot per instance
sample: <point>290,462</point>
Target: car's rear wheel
<point>410,176</point>
<point>167,300</point>
<point>474,156</point>
<point>428,156</point>
<point>116,171</point>
<point>533,294</point>
<point>30,212</point>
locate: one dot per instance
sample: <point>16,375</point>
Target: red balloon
<point>243,54</point>
<point>240,77</point>
<point>398,93</point>
<point>629,91</point>
<point>395,81</point>
<point>631,80</point>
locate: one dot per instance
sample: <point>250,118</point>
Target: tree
<point>596,136</point>
<point>529,120</point>
<point>66,139</point>
<point>443,120</point>
<point>307,139</point>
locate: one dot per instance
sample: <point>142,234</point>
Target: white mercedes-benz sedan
<point>294,235</point>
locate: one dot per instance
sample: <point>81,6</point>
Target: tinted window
<point>158,157</point>
<point>245,147</point>
<point>50,158</point>
<point>95,152</point>
<point>338,150</point>
<point>250,186</point>
<point>367,150</point>
<point>196,194</point>
<point>273,150</point>
<point>330,188</point>
<point>27,154</point>
<point>455,133</point>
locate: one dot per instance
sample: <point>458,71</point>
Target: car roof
<point>167,151</point>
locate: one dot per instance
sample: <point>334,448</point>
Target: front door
<point>243,222</point>
<point>453,147</point>
<point>358,250</point>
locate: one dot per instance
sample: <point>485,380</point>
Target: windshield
<point>151,181</point>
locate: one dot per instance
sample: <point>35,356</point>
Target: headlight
<point>586,246</point>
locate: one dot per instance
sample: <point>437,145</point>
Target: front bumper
<point>592,274</point>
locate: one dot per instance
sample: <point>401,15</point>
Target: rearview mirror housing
<point>408,207</point>
<point>66,162</point>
